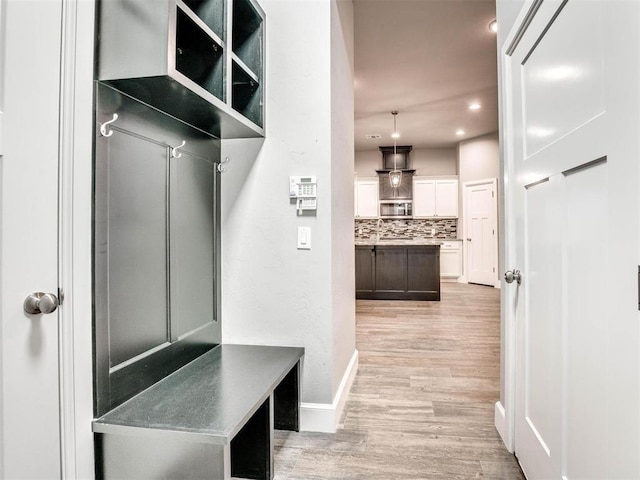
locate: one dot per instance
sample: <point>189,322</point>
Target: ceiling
<point>429,60</point>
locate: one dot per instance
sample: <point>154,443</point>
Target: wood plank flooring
<point>422,404</point>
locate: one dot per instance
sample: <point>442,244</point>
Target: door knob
<point>40,303</point>
<point>511,275</point>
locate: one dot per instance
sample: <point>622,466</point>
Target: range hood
<point>401,159</point>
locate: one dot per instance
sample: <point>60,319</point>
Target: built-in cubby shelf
<point>201,61</point>
<point>198,56</point>
<point>247,35</point>
<point>246,94</point>
<point>211,12</point>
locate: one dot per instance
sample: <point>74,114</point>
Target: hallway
<point>422,404</point>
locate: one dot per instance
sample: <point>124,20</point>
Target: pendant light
<point>395,175</point>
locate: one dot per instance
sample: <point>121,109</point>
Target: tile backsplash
<point>445,228</point>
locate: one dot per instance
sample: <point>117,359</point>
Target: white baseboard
<point>324,417</point>
<point>501,424</point>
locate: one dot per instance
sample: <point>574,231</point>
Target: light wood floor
<point>422,404</point>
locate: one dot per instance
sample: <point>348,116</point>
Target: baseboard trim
<point>325,417</point>
<point>500,420</point>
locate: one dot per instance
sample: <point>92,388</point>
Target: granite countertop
<point>403,241</point>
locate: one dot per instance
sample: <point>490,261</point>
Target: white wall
<point>342,160</point>
<point>272,292</point>
<point>426,161</point>
<point>478,158</point>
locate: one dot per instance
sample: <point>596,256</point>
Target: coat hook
<point>174,150</point>
<point>103,127</point>
<point>220,165</point>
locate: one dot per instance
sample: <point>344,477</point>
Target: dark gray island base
<point>398,272</point>
<point>212,419</point>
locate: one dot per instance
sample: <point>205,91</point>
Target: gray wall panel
<point>137,244</point>
<point>192,243</point>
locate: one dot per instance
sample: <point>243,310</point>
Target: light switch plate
<point>304,238</point>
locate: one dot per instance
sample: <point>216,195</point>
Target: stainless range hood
<point>390,160</point>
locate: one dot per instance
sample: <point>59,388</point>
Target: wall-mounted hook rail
<point>220,165</point>
<point>103,126</point>
<point>174,150</point>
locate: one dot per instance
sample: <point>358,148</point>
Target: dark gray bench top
<point>209,399</point>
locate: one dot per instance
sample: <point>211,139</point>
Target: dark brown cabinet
<point>365,271</point>
<point>398,272</point>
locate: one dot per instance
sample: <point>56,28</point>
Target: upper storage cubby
<point>247,35</point>
<point>247,63</point>
<point>201,61</point>
<point>212,13</point>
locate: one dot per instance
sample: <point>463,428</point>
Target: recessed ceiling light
<point>459,132</point>
<point>372,136</point>
<point>493,26</point>
<point>395,135</point>
<point>475,106</point>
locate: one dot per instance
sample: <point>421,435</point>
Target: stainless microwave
<point>396,209</point>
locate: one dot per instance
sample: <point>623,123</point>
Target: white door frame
<point>466,229</point>
<point>504,416</point>
<point>75,237</point>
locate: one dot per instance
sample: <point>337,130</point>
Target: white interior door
<point>481,215</point>
<point>29,375</point>
<point>571,85</point>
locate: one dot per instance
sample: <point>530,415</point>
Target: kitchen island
<point>398,269</point>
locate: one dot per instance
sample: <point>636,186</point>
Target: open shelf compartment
<point>198,56</point>
<point>246,95</point>
<point>211,12</point>
<point>247,34</point>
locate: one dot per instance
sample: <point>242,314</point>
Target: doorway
<point>481,231</point>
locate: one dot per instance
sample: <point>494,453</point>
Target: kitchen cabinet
<point>398,272</point>
<point>201,61</point>
<point>451,259</point>
<point>366,198</point>
<point>435,197</point>
<point>365,269</point>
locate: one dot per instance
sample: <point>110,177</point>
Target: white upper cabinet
<point>435,197</point>
<point>447,198</point>
<point>424,197</point>
<point>366,198</point>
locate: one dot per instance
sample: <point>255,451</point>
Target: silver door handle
<point>40,302</point>
<point>511,275</point>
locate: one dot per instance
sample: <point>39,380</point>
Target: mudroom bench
<point>212,419</point>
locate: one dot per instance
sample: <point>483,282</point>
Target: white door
<point>29,377</point>
<point>481,213</point>
<point>571,116</point>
